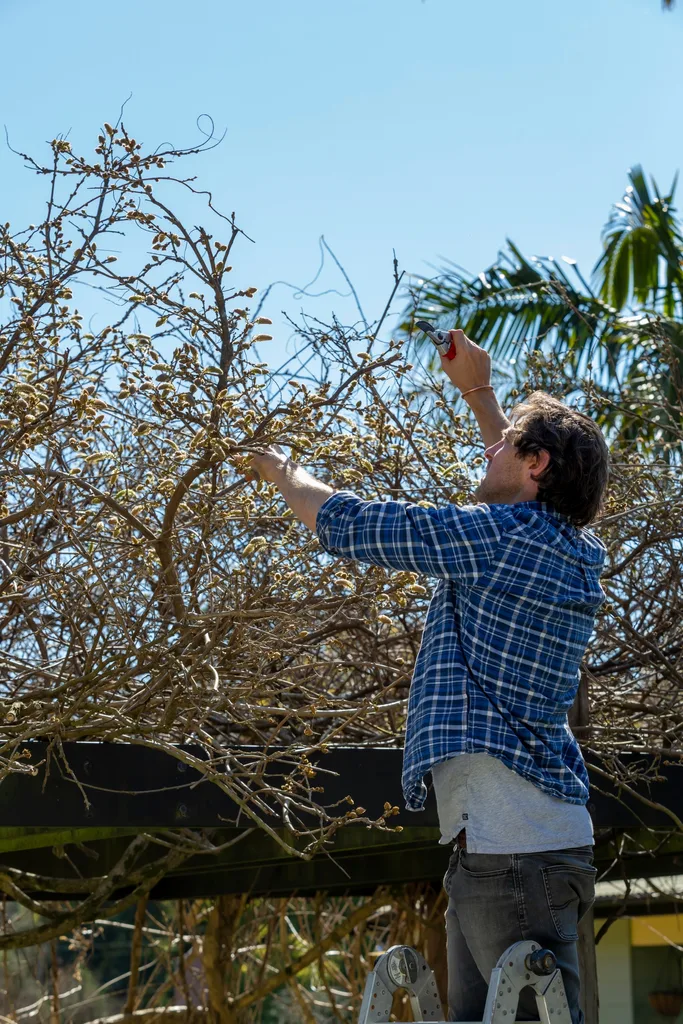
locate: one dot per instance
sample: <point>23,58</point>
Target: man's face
<point>507,477</point>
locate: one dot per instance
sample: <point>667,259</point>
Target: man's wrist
<point>489,415</point>
<point>480,395</point>
<point>280,467</point>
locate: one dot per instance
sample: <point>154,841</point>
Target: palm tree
<point>634,297</point>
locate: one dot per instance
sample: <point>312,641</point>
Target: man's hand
<point>302,492</point>
<point>471,367</point>
<point>268,466</point>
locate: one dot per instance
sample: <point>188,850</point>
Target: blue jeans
<point>497,899</point>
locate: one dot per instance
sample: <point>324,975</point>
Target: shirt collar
<point>542,506</point>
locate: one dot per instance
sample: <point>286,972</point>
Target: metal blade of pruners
<point>442,339</point>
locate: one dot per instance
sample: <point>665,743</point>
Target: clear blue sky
<point>435,127</point>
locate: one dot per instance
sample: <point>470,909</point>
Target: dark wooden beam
<point>130,786</point>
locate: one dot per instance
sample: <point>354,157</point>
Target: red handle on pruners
<point>442,339</point>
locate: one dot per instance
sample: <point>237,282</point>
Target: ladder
<point>522,963</point>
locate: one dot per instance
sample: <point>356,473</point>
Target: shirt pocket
<point>570,893</point>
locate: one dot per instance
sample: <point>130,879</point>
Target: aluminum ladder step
<point>523,963</point>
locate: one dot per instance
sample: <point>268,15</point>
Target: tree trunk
<point>435,941</point>
<point>589,1000</point>
<point>579,722</point>
<point>578,715</point>
<point>218,940</point>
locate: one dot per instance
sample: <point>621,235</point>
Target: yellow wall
<point>618,996</point>
<point>613,961</point>
<point>657,930</point>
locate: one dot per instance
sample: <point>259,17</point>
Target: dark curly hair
<point>575,480</point>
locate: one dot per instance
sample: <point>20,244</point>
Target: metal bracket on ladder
<point>523,963</point>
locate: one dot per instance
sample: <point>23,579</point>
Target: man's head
<point>550,453</point>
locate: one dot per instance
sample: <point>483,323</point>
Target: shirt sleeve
<point>455,542</point>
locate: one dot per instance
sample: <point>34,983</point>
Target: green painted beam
<point>14,840</point>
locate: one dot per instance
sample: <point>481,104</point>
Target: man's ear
<point>539,463</point>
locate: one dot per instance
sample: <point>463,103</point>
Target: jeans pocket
<point>485,865</point>
<point>450,871</point>
<point>570,892</point>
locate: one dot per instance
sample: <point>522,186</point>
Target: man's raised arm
<point>470,372</point>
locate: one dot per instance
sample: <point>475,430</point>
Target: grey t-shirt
<point>501,811</point>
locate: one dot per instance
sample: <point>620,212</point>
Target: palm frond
<point>643,249</point>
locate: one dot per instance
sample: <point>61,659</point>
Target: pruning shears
<point>441,339</point>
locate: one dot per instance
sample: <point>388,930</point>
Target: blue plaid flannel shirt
<point>507,626</point>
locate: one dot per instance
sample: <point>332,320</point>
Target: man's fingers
<point>459,338</point>
<point>249,471</point>
<point>461,341</point>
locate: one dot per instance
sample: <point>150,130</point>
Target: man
<point>497,671</point>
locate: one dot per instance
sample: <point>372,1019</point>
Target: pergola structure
<point>134,788</point>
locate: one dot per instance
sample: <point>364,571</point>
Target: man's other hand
<point>267,466</point>
<point>471,367</point>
